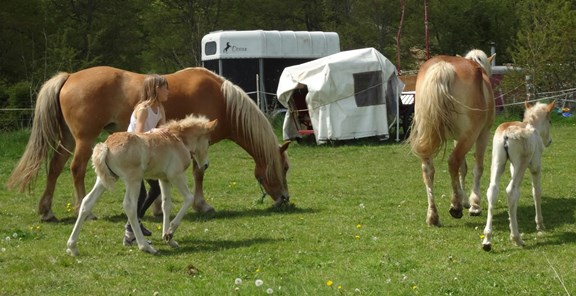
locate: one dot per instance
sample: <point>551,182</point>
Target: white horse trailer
<point>254,60</point>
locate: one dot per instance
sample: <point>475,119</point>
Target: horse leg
<point>130,208</point>
<point>167,234</point>
<point>200,205</point>
<point>474,201</point>
<point>57,164</point>
<point>457,157</point>
<point>496,170</point>
<point>180,183</point>
<point>537,195</point>
<point>85,209</point>
<point>428,172</point>
<point>78,167</point>
<point>513,191</point>
<point>462,173</point>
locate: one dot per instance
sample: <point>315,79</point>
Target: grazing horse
<point>73,109</point>
<point>521,143</point>
<point>154,155</point>
<point>454,100</point>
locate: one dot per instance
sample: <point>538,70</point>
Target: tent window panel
<point>368,89</point>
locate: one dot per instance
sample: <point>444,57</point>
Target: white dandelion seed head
<point>238,281</point>
<point>7,239</point>
<point>269,291</point>
<point>3,250</point>
<point>258,282</point>
<point>362,206</point>
<point>14,235</point>
<point>356,290</point>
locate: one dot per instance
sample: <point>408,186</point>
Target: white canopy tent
<point>350,95</point>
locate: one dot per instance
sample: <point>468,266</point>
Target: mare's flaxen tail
<point>434,110</point>
<point>45,134</point>
<point>107,177</point>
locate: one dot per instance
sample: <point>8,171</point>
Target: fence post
<point>529,89</point>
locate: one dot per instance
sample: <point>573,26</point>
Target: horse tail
<point>45,135</point>
<point>434,109</point>
<point>107,177</point>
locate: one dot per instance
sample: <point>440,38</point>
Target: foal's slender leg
<point>475,197</point>
<point>496,170</point>
<point>513,191</point>
<point>535,169</point>
<point>180,183</point>
<point>57,163</point>
<point>200,205</point>
<point>166,210</point>
<point>130,208</point>
<point>85,209</point>
<point>457,157</point>
<point>428,172</point>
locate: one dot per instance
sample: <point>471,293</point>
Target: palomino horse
<point>454,100</point>
<point>155,155</point>
<point>522,143</point>
<point>73,109</point>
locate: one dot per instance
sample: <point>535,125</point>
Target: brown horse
<point>72,109</point>
<point>454,100</point>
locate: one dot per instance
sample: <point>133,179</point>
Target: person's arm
<point>141,116</point>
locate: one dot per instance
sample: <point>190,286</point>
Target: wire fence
<point>16,119</point>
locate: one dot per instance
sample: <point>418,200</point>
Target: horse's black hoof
<point>487,247</point>
<point>456,213</point>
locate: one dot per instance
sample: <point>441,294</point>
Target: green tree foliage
<point>546,45</point>
<point>42,37</point>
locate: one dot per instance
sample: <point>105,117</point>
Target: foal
<point>154,155</point>
<point>522,143</point>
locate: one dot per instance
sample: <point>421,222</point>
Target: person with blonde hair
<point>147,115</point>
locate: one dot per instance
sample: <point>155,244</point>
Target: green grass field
<point>357,228</point>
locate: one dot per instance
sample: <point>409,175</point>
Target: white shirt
<point>151,120</point>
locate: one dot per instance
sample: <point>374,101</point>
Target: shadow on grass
<point>556,212</point>
<point>227,214</point>
<point>191,245</point>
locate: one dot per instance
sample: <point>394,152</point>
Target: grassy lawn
<point>357,228</point>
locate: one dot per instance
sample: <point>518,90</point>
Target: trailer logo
<point>233,48</point>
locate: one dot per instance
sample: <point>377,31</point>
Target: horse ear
<point>550,106</point>
<point>212,125</point>
<point>284,146</point>
<point>527,105</point>
<point>491,58</point>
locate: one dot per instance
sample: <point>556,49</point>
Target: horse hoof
<point>456,213</point>
<point>487,247</point>
<point>49,219</point>
<point>474,213</point>
<point>172,243</point>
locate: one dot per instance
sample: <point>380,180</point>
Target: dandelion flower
<point>357,237</point>
<point>339,287</point>
<point>329,283</point>
<point>238,281</point>
<point>257,269</point>
<point>159,227</point>
<point>482,236</point>
<point>258,282</point>
<point>269,291</point>
<point>359,226</point>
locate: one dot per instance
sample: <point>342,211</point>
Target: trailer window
<point>368,88</point>
<point>210,48</point>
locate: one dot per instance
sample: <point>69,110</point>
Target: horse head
<point>482,59</point>
<point>272,177</point>
<point>539,116</point>
<point>194,132</point>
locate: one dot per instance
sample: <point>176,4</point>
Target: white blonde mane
<point>255,127</point>
<point>481,58</point>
